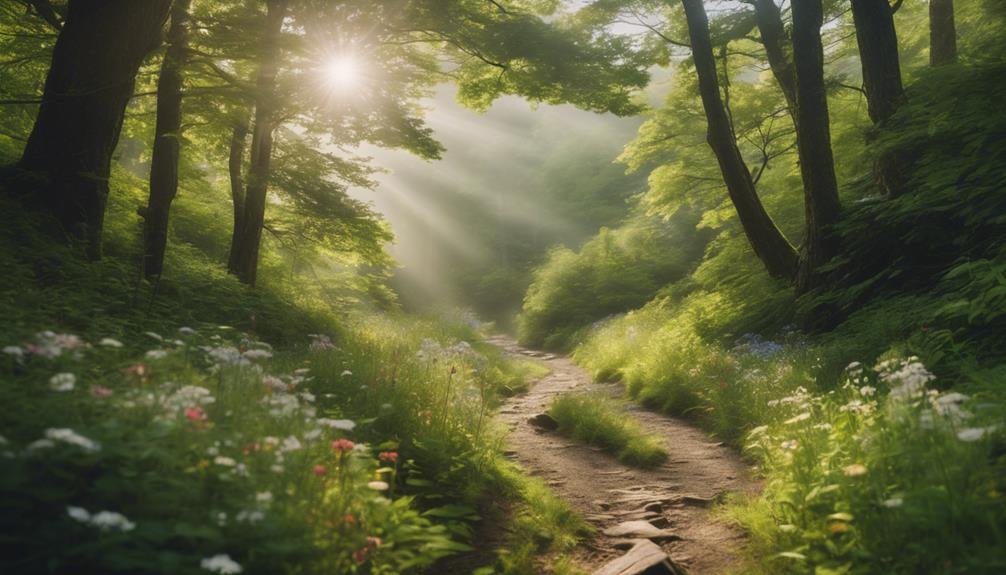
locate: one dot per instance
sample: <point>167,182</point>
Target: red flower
<point>195,413</point>
<point>360,555</point>
<point>320,470</point>
<point>348,519</point>
<point>388,456</point>
<point>100,391</point>
<point>341,446</point>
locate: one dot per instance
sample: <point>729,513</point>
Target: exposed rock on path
<point>659,515</point>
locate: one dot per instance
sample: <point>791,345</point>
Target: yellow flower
<point>854,470</point>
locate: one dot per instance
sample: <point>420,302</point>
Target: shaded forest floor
<point>668,504</point>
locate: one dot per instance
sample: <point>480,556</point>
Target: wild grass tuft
<point>604,423</point>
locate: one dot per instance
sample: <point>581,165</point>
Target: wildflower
<point>14,351</point>
<point>291,444</point>
<point>153,335</point>
<point>341,446</point>
<point>264,498</point>
<point>274,383</point>
<point>224,461</point>
<point>277,468</point>
<point>822,426</point>
<point>195,413</point>
<point>185,330</point>
<point>109,342</point>
<point>222,518</point>
<point>378,485</point>
<point>854,470</point>
<point>802,417</point>
<point>342,424</point>
<point>312,434</point>
<point>388,456</point>
<point>320,470</point>
<point>78,514</point>
<point>52,345</point>
<point>100,391</point>
<point>320,342</point>
<point>790,444</point>
<point>222,564</point>
<point>908,377</point>
<point>345,372</point>
<point>249,516</point>
<point>157,354</point>
<point>257,354</point>
<point>972,434</point>
<point>867,391</point>
<point>40,444</point>
<point>137,369</point>
<point>106,520</point>
<point>62,382</point>
<point>67,435</point>
<point>892,502</point>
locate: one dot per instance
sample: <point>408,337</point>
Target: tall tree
<point>167,136</point>
<point>878,55</point>
<point>776,42</point>
<point>813,136</point>
<point>235,165</point>
<point>770,245</point>
<point>90,80</point>
<point>942,33</point>
<point>249,237</point>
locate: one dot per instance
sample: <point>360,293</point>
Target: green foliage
<point>880,476</point>
<point>613,272</point>
<point>602,422</point>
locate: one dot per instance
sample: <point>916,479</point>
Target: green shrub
<point>604,423</point>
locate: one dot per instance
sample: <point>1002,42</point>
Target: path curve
<point>607,493</point>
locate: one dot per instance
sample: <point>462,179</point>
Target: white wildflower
<point>892,502</point>
<point>153,335</point>
<point>971,434</point>
<point>224,461</point>
<point>14,350</point>
<point>790,444</point>
<point>106,520</point>
<point>157,354</point>
<point>71,437</point>
<point>867,391</point>
<point>263,498</point>
<point>797,419</point>
<point>78,514</point>
<point>185,330</point>
<point>40,444</point>
<point>291,444</point>
<point>257,354</point>
<point>345,373</point>
<point>222,564</point>
<point>62,382</point>
<point>378,485</point>
<point>109,342</point>
<point>312,434</point>
<point>341,424</point>
<point>854,470</point>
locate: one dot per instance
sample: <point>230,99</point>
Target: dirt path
<point>673,498</point>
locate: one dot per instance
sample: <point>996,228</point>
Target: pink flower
<point>388,456</point>
<point>100,391</point>
<point>320,470</point>
<point>341,446</point>
<point>195,413</point>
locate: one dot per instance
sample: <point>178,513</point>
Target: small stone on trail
<point>641,530</point>
<point>544,421</point>
<point>645,558</point>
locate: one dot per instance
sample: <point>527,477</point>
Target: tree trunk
<point>246,249</point>
<point>813,136</point>
<point>878,54</point>
<point>90,81</point>
<point>942,33</point>
<point>773,37</point>
<point>234,164</point>
<point>768,242</point>
<point>164,161</point>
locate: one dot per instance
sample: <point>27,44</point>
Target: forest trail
<point>671,501</point>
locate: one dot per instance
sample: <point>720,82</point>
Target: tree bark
<point>246,249</point>
<point>235,164</point>
<point>878,54</point>
<point>813,136</point>
<point>768,242</point>
<point>89,83</point>
<point>942,33</point>
<point>165,157</point>
<point>773,38</point>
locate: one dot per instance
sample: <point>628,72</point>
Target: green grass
<point>604,423</point>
